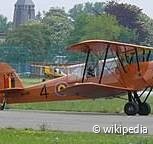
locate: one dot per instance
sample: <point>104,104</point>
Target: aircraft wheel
<point>131,108</point>
<point>1,108</point>
<point>144,109</point>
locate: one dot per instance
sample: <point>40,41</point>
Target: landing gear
<point>144,109</point>
<point>135,104</point>
<point>3,105</point>
<point>131,108</point>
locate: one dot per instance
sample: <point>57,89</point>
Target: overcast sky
<point>7,6</point>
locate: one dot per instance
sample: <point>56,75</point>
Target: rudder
<point>8,77</point>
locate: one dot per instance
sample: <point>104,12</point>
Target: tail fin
<point>8,77</point>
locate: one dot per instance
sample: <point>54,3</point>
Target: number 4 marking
<point>44,91</point>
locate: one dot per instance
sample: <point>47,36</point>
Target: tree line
<point>51,32</point>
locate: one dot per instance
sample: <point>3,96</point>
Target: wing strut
<point>126,56</point>
<point>131,59</point>
<point>102,71</point>
<point>148,56</point>
<point>136,52</point>
<point>143,55</point>
<point>120,62</point>
<point>84,72</point>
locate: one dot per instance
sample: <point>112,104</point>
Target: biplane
<point>49,71</point>
<point>130,71</point>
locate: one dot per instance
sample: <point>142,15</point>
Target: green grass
<point>98,105</point>
<point>12,136</point>
<point>31,81</point>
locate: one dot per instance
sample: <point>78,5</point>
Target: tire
<point>1,108</point>
<point>144,109</point>
<point>131,108</point>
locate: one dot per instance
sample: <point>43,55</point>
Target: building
<point>23,12</point>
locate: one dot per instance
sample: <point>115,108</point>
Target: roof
<point>96,46</point>
<point>24,2</point>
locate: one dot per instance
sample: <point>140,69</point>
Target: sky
<point>7,6</point>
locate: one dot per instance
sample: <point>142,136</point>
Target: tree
<point>59,25</point>
<point>148,24</point>
<point>31,37</point>
<point>76,10</point>
<point>4,24</point>
<point>43,38</point>
<point>96,8</point>
<point>13,54</point>
<point>39,16</point>
<point>100,27</point>
<point>128,16</point>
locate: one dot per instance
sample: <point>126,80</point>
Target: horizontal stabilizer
<point>93,90</point>
<point>11,90</point>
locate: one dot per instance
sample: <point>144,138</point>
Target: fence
<point>26,69</point>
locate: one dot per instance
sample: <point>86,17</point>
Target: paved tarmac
<point>69,121</point>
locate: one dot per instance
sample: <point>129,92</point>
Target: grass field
<point>31,81</point>
<point>98,105</point>
<point>12,136</point>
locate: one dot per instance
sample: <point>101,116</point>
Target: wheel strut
<point>3,105</point>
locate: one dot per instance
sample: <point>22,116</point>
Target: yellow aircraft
<point>51,72</point>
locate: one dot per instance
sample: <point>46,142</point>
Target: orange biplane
<point>110,69</point>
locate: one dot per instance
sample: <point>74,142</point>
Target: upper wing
<point>93,90</point>
<point>98,46</point>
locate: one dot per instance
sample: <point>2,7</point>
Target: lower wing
<point>94,90</point>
